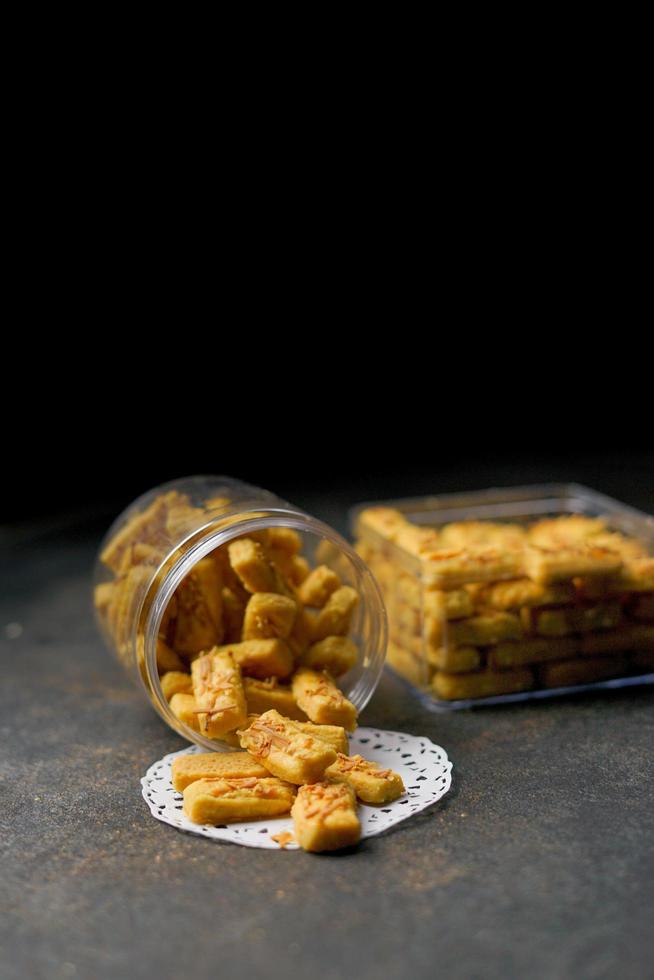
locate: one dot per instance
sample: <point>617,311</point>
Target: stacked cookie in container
<point>484,608</point>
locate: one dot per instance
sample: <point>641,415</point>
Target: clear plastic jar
<point>154,544</point>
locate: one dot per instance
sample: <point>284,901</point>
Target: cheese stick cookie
<point>515,593</point>
<point>318,696</point>
<point>318,586</point>
<point>198,625</point>
<point>187,769</point>
<point>549,565</point>
<point>370,782</point>
<point>531,651</point>
<point>176,682</point>
<point>559,622</point>
<point>455,660</point>
<point>325,817</point>
<point>336,615</point>
<point>269,615</point>
<point>491,627</point>
<point>334,735</point>
<point>482,534</point>
<point>563,531</point>
<point>451,568</point>
<point>250,562</point>
<point>216,801</point>
<point>261,658</point>
<point>183,706</point>
<point>485,683</point>
<point>219,694</point>
<point>285,751</point>
<point>337,654</point>
<point>448,605</point>
<point>261,696</point>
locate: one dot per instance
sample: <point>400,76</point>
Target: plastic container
<point>154,544</point>
<point>488,633</point>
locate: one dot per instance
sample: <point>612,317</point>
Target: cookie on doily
<point>423,766</point>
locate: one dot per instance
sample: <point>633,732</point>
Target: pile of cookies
<point>478,608</point>
<point>249,651</point>
<point>254,630</point>
<point>252,627</point>
<point>288,766</point>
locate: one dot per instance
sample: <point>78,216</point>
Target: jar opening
<point>369,628</point>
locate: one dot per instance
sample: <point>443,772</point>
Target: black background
<point>334,441</point>
<point>331,411</point>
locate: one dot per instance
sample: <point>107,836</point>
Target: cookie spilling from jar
<point>252,627</point>
<point>250,651</point>
<point>288,766</point>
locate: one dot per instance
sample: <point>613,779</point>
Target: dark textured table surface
<point>537,864</point>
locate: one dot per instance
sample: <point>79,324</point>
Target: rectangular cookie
<point>455,660</point>
<point>325,817</point>
<point>452,568</point>
<point>483,534</point>
<point>336,654</point>
<point>505,596</point>
<point>318,696</point>
<point>269,615</point>
<point>455,604</point>
<point>219,694</point>
<point>198,624</point>
<point>531,651</point>
<point>214,765</point>
<point>254,569</point>
<point>550,565</point>
<point>285,751</point>
<point>576,619</point>
<point>318,586</point>
<point>484,684</point>
<point>183,706</point>
<point>334,735</point>
<point>569,529</point>
<point>384,521</point>
<point>261,696</point>
<point>369,781</point>
<point>284,539</point>
<point>222,800</point>
<point>490,627</point>
<point>176,682</point>
<point>261,658</point>
<point>335,617</point>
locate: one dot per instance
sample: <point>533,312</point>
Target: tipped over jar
<point>224,601</point>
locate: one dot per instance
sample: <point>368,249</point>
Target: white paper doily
<point>423,766</point>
